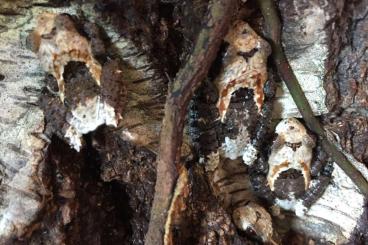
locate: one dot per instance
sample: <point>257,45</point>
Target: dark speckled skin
<point>80,85</point>
<point>290,182</point>
<point>208,134</point>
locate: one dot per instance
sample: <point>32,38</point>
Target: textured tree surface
<point>50,193</point>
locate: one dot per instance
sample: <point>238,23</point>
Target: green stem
<point>273,27</point>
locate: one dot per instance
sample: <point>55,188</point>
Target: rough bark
<point>176,108</point>
<point>51,194</point>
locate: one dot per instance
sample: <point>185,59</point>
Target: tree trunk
<point>85,170</point>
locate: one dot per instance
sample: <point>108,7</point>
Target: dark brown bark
<point>186,82</point>
<point>68,195</point>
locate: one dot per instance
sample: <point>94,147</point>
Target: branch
<point>187,81</point>
<point>273,27</point>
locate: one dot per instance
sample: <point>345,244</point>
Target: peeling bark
<point>52,194</point>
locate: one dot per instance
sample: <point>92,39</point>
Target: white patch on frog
<point>86,117</point>
<point>239,147</point>
<point>74,138</point>
<point>249,154</point>
<point>201,160</point>
<point>292,204</point>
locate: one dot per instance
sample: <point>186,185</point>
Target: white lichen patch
<point>88,116</point>
<point>129,136</point>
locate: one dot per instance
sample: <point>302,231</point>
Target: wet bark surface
<point>103,194</point>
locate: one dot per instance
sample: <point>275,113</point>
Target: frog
<point>95,93</point>
<point>228,123</point>
<point>293,148</point>
<point>244,66</point>
<point>56,41</point>
<point>298,169</point>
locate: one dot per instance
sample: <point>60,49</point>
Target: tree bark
<point>159,60</point>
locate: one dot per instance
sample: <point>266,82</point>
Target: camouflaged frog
<point>56,41</point>
<point>229,147</point>
<point>292,165</point>
<point>244,66</point>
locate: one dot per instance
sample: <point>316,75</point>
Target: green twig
<point>273,27</point>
